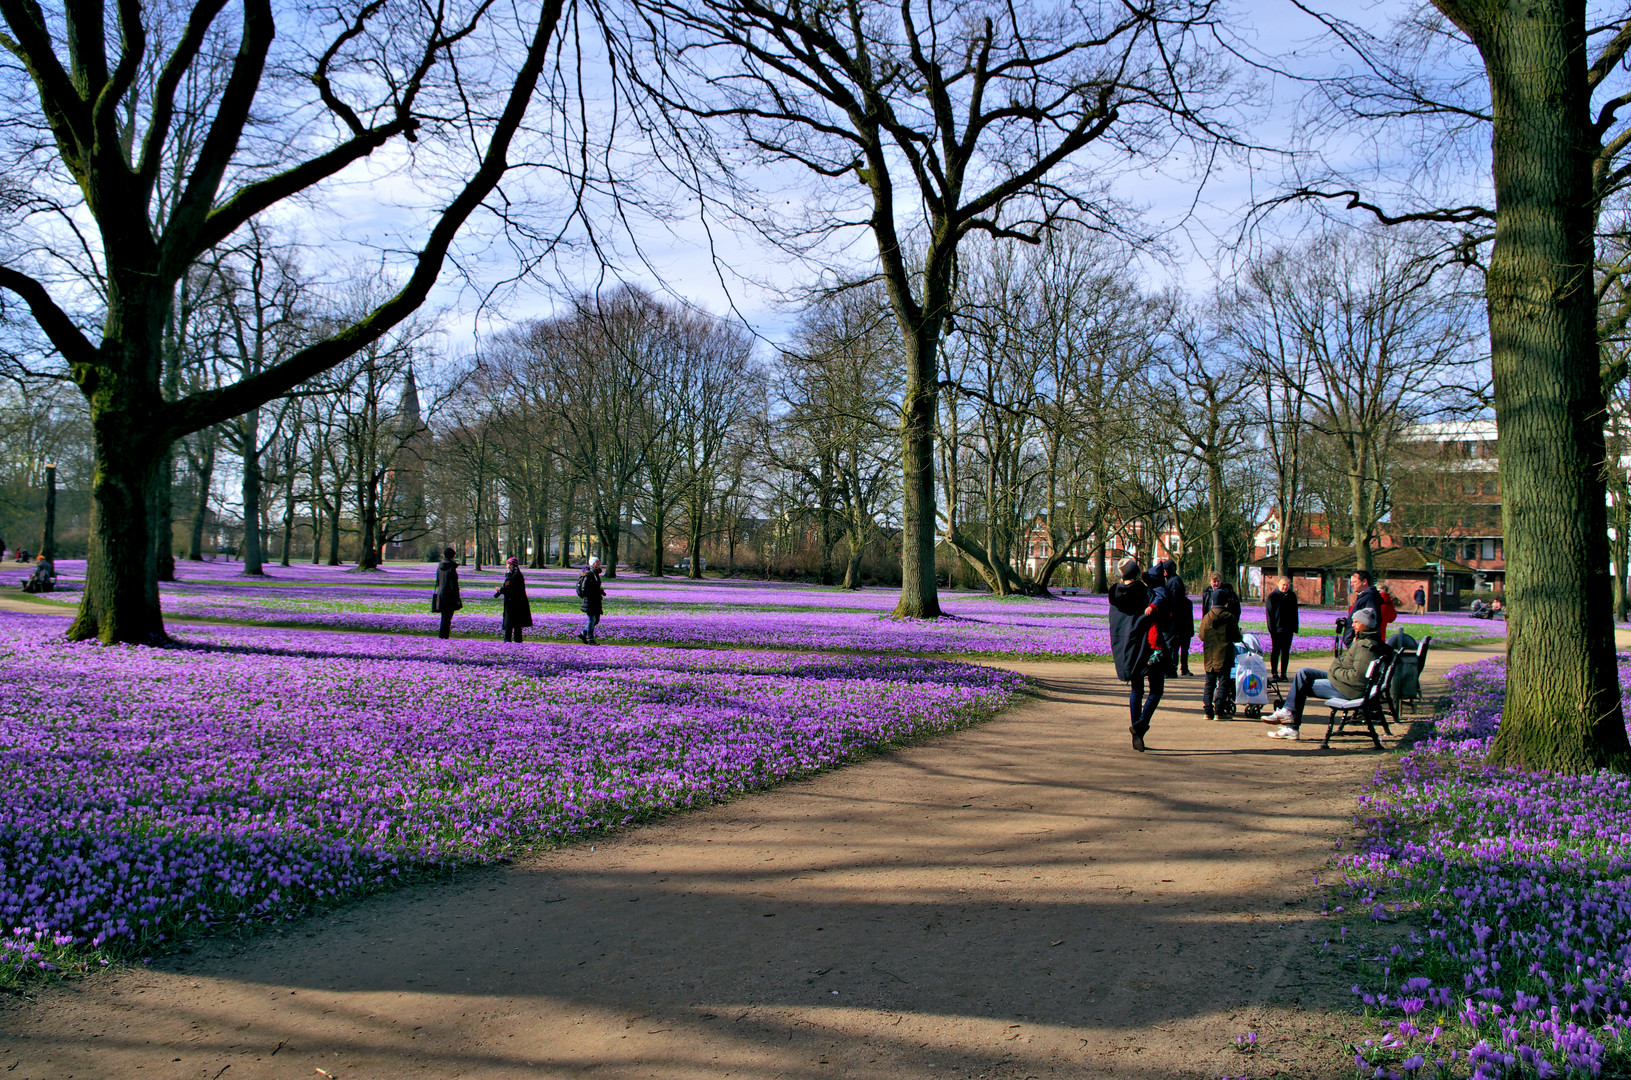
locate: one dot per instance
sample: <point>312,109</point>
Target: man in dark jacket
<point>1345,679</point>
<point>517,609</point>
<point>445,599</point>
<point>1362,587</point>
<point>1129,599</point>
<point>1209,596</point>
<point>590,595</point>
<point>1281,611</point>
<point>1151,650</point>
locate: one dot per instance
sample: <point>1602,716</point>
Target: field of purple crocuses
<point>1521,884</point>
<point>251,774</point>
<point>731,613</point>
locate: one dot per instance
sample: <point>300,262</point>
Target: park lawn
<point>710,613</point>
<point>1518,888</point>
<point>251,775</point>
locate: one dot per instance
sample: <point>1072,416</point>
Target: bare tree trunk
<point>919,595</point>
<point>121,602</point>
<point>1562,709</point>
<point>206,471</point>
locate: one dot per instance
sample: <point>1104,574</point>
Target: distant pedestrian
<point>1183,628</point>
<point>445,600</point>
<point>590,595</point>
<point>1219,632</point>
<point>1282,615</point>
<point>1421,600</point>
<point>517,609</point>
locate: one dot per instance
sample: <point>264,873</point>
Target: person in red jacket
<point>1386,609</point>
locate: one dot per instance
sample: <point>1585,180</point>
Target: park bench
<point>1367,708</point>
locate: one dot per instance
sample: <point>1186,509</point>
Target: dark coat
<point>1128,599</point>
<point>517,609</point>
<point>446,595</point>
<point>1209,599</point>
<point>590,593</point>
<point>1368,597</point>
<point>1219,632</point>
<point>1162,617</point>
<point>1183,613</point>
<point>1281,609</point>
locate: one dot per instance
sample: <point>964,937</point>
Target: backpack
<point>582,579</point>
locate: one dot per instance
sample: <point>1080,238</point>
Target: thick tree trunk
<point>659,530</point>
<point>1214,511</point>
<point>919,595</point>
<point>1562,708</point>
<point>163,516</point>
<point>121,600</point>
<point>252,514</point>
<point>693,550</point>
<point>334,531</point>
<point>566,526</point>
<point>249,431</point>
<point>1101,578</point>
<point>1360,508</point>
<point>201,506</point>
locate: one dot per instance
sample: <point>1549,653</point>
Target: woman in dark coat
<point>1128,599</point>
<point>445,600</point>
<point>590,594</point>
<point>1183,626</point>
<point>517,610</point>
<point>1281,610</point>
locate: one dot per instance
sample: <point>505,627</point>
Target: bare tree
<point>968,116</point>
<point>1551,112</point>
<point>114,132</point>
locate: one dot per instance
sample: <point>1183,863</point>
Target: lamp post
<point>48,541</point>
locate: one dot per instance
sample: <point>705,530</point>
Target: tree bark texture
<point>1562,708</point>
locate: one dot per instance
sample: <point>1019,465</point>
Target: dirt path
<point>1028,898</point>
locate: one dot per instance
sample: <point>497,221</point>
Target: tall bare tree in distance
<point>104,129</point>
<point>970,117</point>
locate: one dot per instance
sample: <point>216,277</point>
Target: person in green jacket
<point>1345,679</point>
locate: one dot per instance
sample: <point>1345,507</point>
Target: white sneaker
<point>1285,732</point>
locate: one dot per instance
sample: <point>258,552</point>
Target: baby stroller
<point>1248,684</point>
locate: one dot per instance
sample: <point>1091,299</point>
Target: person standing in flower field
<point>517,609</point>
<point>590,594</point>
<point>1421,599</point>
<point>1280,610</point>
<point>445,599</point>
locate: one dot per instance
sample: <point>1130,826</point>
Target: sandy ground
<point>1027,898</point>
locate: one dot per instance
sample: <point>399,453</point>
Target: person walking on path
<point>1421,600</point>
<point>1281,613</point>
<point>517,610</point>
<point>1151,649</point>
<point>1128,599</point>
<point>590,595</point>
<point>445,599</point>
<point>1183,622</point>
<point>1219,632</point>
<point>1346,677</point>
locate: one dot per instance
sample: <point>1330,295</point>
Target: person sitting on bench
<point>1346,679</point>
<point>44,577</point>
